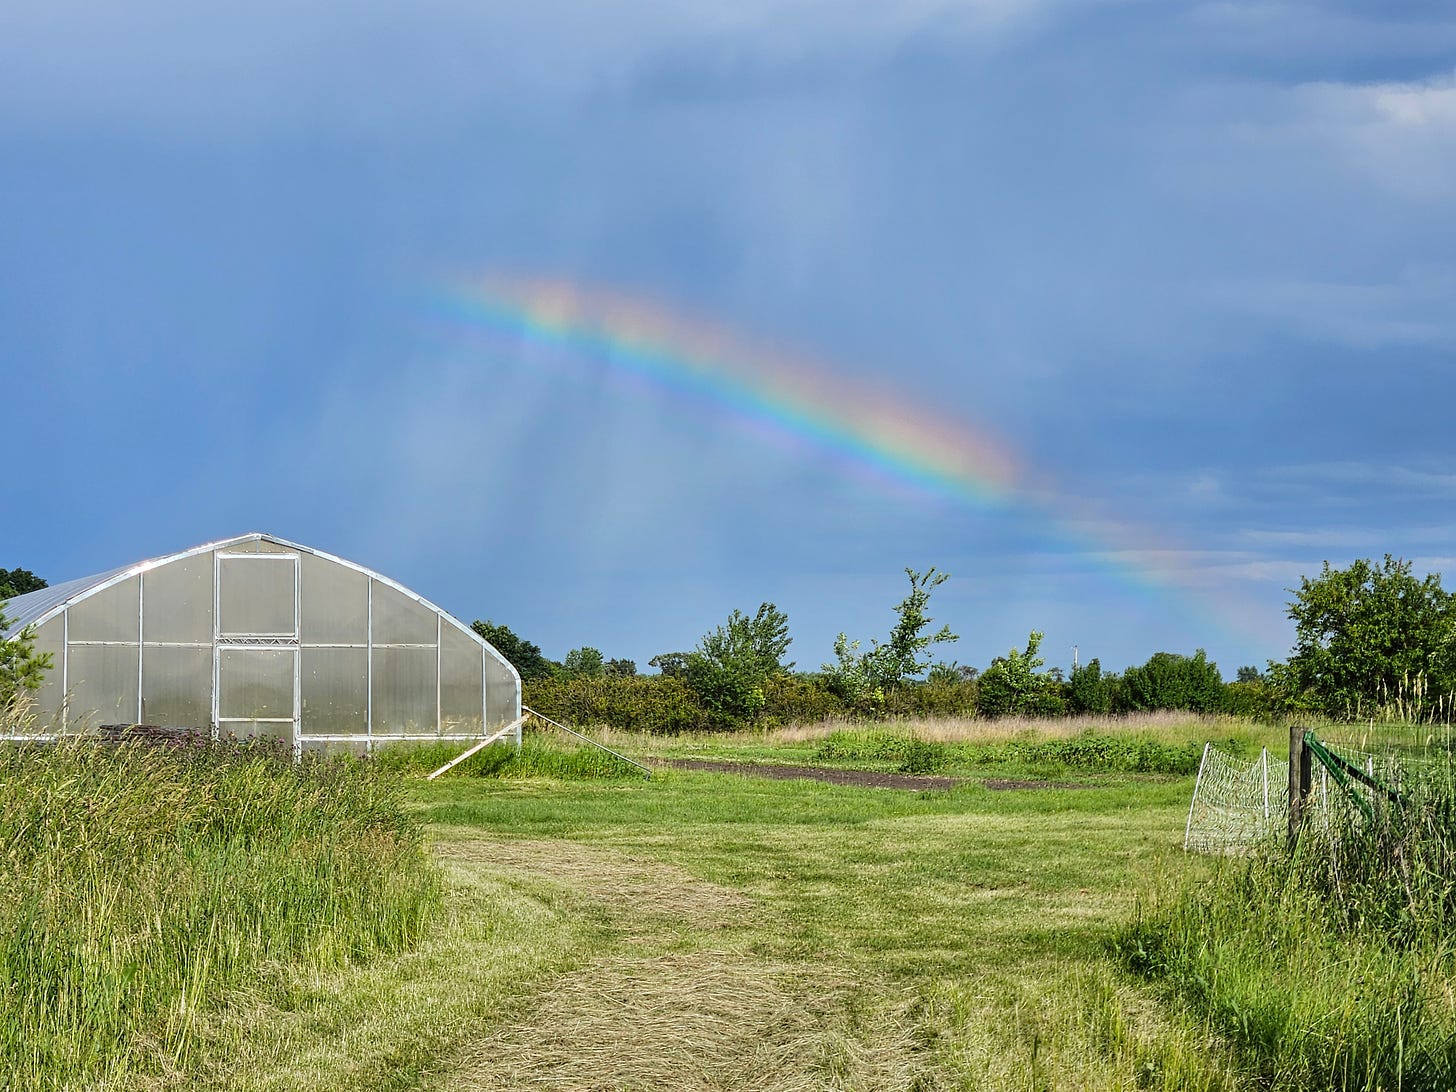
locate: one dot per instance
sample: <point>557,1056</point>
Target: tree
<point>671,664</point>
<point>1012,687</point>
<point>857,675</point>
<point>22,669</point>
<point>524,656</point>
<point>1171,681</point>
<point>1090,691</point>
<point>1369,638</point>
<point>15,582</point>
<point>583,663</point>
<point>620,669</point>
<point>732,664</point>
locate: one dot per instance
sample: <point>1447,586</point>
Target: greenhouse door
<point>256,659</point>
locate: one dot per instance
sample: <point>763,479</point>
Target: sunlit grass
<point>139,887</point>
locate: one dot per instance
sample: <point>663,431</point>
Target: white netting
<point>1237,804</point>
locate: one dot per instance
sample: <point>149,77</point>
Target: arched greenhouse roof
<point>33,608</point>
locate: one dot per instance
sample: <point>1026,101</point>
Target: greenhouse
<point>259,637</point>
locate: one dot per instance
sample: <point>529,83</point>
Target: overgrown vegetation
<point>1331,967</point>
<point>141,889</point>
<point>1087,751</point>
<point>539,756</point>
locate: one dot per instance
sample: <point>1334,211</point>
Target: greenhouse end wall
<point>259,637</point>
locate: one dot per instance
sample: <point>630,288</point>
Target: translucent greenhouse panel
<point>177,686</point>
<point>336,747</point>
<point>103,682</point>
<point>502,694</point>
<point>333,603</point>
<point>399,620</point>
<point>280,732</point>
<point>404,691</point>
<point>334,684</point>
<point>462,683</point>
<point>255,596</point>
<point>109,615</point>
<point>254,683</point>
<point>50,638</point>
<point>177,601</point>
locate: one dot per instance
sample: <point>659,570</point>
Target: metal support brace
<point>587,739</point>
<point>507,730</point>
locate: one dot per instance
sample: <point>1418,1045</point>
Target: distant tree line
<point>1372,640</point>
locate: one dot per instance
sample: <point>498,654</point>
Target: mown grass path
<point>704,931</point>
<point>858,938</point>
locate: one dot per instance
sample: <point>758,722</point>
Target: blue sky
<point>1192,263</point>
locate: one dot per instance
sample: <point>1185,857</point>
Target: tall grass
<point>139,887</point>
<point>1333,966</point>
<point>541,754</point>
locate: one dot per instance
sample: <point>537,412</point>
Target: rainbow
<point>872,428</point>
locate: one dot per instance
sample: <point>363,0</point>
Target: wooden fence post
<point>1301,777</point>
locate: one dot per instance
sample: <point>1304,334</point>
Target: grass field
<point>712,931</point>
<point>709,931</point>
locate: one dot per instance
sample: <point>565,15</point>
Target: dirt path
<point>865,778</point>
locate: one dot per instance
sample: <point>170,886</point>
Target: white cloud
<point>1402,136</point>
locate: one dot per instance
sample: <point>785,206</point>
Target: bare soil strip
<point>864,778</point>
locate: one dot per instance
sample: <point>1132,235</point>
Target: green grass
<point>706,931</point>
<point>538,756</point>
<point>1076,747</point>
<point>1333,967</point>
<point>140,887</point>
<point>974,925</point>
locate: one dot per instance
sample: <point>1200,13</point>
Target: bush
<point>800,698</point>
<point>1011,686</point>
<point>1171,681</point>
<point>660,704</point>
<point>1090,691</point>
<point>22,669</point>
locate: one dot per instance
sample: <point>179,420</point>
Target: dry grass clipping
<point>660,1010</point>
<point>695,1021</point>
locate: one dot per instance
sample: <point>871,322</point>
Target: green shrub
<point>924,756</point>
<point>659,704</point>
<point>1171,681</point>
<point>800,698</point>
<point>1012,685</point>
